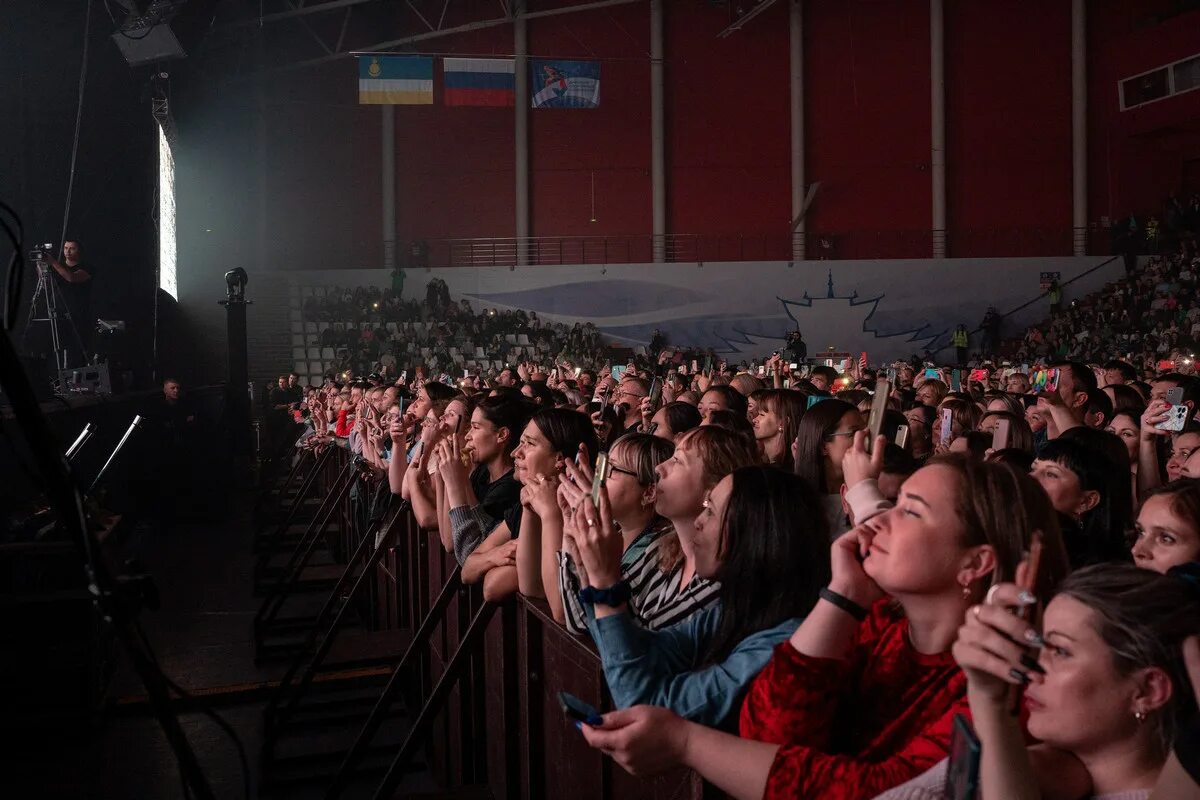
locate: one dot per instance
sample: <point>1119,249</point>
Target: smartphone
<point>600,477</point>
<point>1000,435</point>
<point>793,366</point>
<point>1178,414</point>
<point>576,709</point>
<point>979,375</point>
<point>466,373</point>
<point>578,372</point>
<point>947,425</point>
<point>956,380</point>
<point>655,392</point>
<point>695,366</point>
<point>762,370</point>
<point>1052,377</point>
<point>902,436</point>
<point>401,406</point>
<point>813,399</point>
<point>891,375</point>
<point>708,365</point>
<point>617,373</point>
<point>554,374</point>
<point>883,389</point>
<point>787,383</point>
<point>604,400</point>
<point>962,775</point>
<point>932,374</point>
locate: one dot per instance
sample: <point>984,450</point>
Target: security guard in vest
<point>961,340</point>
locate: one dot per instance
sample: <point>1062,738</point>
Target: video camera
<point>40,251</point>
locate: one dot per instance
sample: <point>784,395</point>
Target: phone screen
<point>962,775</point>
<point>932,374</point>
<point>600,478</point>
<point>655,392</point>
<point>575,708</point>
<point>878,408</point>
<point>946,426</point>
<point>1000,435</point>
<point>956,380</point>
<point>617,373</point>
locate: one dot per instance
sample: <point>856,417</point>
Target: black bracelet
<point>613,596</point>
<point>844,603</point>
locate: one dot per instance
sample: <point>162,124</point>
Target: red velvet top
<point>853,728</point>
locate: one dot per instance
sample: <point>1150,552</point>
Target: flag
<point>479,82</point>
<point>565,84</point>
<point>395,80</point>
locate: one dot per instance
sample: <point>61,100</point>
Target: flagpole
<point>387,152</point>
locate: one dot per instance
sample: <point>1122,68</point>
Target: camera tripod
<point>48,305</point>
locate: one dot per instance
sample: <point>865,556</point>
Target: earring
<point>966,591</point>
<point>1140,716</point>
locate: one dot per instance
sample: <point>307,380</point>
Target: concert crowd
<point>807,580</point>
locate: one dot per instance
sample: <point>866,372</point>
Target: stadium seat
<point>314,352</point>
<point>327,353</point>
<point>298,352</point>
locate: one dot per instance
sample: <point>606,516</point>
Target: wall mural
<point>890,309</point>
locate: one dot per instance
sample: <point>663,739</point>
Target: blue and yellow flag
<point>395,80</point>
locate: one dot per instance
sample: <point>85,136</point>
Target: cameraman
<point>73,282</point>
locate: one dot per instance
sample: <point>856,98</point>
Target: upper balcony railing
<point>692,248</point>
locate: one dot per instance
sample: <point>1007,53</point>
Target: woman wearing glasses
<point>760,527</point>
<point>825,434</point>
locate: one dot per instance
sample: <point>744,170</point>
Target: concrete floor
<point>202,636</point>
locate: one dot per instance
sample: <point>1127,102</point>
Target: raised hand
<point>994,646</point>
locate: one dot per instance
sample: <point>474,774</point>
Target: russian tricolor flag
<point>479,82</point>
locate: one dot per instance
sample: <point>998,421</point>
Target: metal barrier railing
<point>476,681</point>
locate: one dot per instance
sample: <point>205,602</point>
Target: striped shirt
<point>657,599</point>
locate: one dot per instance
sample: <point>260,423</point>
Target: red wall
<point>727,130</point>
<point>727,125</point>
<point>867,119</point>
<point>1136,157</point>
<point>1008,126</point>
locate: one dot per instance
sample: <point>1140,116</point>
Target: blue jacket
<point>660,667</point>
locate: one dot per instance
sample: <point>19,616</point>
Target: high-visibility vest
<point>960,338</point>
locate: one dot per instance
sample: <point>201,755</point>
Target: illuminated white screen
<point>166,217</point>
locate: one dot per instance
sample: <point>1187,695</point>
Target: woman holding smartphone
<point>761,527</point>
<point>875,650</point>
<point>631,486</point>
<point>1106,688</point>
<point>665,586</point>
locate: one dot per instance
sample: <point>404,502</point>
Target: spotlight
<point>235,281</point>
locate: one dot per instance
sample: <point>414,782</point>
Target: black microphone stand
<point>117,610</point>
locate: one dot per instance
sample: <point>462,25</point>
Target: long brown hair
<point>789,407</point>
<point>1002,507</point>
<point>721,452</point>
